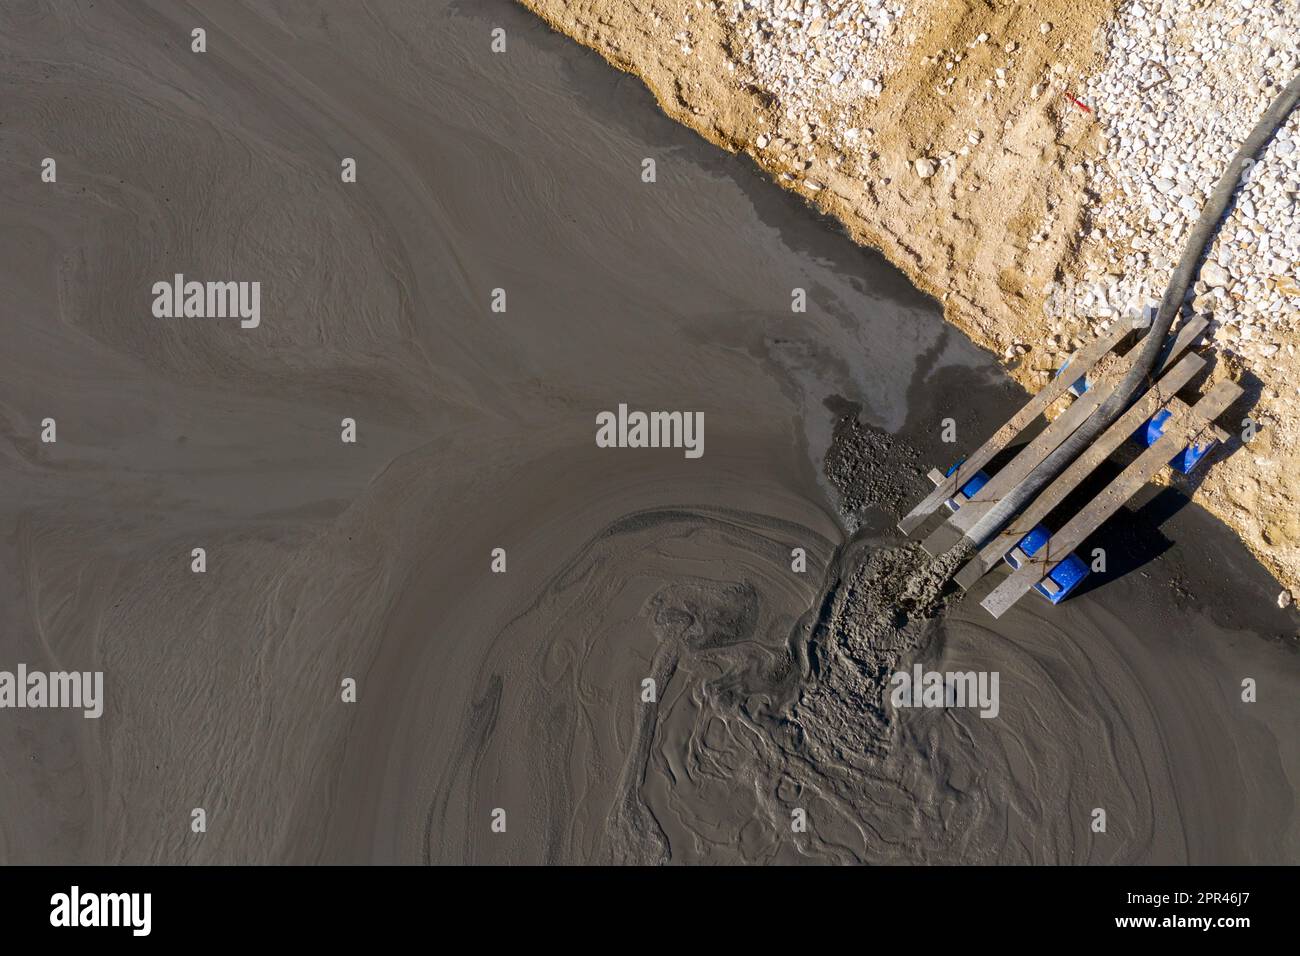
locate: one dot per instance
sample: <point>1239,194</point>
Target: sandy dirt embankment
<point>1034,165</point>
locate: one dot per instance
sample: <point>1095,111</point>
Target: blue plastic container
<point>1067,573</point>
<point>1081,384</point>
<point>1185,460</point>
<point>1030,544</point>
<point>970,489</point>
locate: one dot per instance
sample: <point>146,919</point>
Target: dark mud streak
<point>474,738</point>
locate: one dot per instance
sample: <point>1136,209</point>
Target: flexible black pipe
<point>1101,418</point>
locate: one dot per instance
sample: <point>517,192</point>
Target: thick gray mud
<point>768,705</point>
<point>523,691</point>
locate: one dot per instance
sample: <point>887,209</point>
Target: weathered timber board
<point>1183,429</point>
<point>1105,445</point>
<point>1065,424</point>
<point>1079,366</point>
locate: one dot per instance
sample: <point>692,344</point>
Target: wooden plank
<point>1079,366</point>
<point>936,478</point>
<point>1162,394</point>
<point>1065,424</point>
<point>953,529</point>
<point>1181,431</point>
<point>1176,405</point>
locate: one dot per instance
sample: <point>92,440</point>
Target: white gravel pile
<point>1181,87</point>
<point>804,52</point>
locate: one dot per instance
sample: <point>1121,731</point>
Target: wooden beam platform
<point>1065,424</point>
<point>1161,395</point>
<point>1186,426</point>
<point>1079,366</point>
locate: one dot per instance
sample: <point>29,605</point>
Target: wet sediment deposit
<point>523,691</point>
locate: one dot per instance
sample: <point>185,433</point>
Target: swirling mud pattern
<point>617,654</point>
<point>768,703</point>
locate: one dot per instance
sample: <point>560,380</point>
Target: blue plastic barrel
<point>1080,385</point>
<point>1185,460</point>
<point>1067,573</point>
<point>970,489</point>
<point>1030,544</point>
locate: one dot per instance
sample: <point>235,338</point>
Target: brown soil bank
<point>965,159</point>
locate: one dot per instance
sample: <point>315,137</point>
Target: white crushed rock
<point>804,52</point>
<point>1182,85</point>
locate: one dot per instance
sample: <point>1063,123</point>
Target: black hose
<point>1153,344</point>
